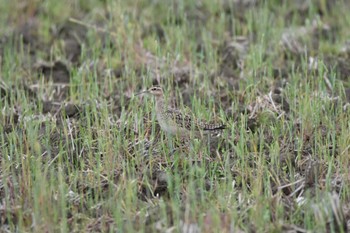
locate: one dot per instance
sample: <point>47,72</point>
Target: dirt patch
<point>72,35</point>
<point>57,72</point>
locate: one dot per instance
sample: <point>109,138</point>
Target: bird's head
<point>155,91</point>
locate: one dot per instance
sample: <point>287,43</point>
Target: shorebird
<point>175,122</point>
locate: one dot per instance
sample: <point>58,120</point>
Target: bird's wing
<point>189,123</point>
<point>211,127</point>
<point>182,120</point>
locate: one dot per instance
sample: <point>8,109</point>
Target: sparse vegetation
<point>80,153</point>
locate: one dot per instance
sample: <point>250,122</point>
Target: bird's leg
<point>181,143</point>
<point>171,147</point>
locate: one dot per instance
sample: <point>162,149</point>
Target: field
<point>81,152</point>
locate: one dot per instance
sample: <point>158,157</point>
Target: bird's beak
<point>142,92</point>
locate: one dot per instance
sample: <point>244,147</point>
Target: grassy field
<point>79,152</point>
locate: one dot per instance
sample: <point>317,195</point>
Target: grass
<point>87,156</point>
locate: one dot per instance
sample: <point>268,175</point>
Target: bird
<point>175,122</point>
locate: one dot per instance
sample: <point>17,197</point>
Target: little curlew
<point>174,122</point>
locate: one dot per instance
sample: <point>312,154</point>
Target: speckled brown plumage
<point>185,121</point>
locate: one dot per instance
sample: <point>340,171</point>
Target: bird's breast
<point>169,125</point>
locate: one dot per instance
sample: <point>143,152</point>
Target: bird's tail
<point>214,127</point>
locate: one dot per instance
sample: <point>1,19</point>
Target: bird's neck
<point>160,103</point>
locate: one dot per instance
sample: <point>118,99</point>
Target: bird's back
<point>174,121</point>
